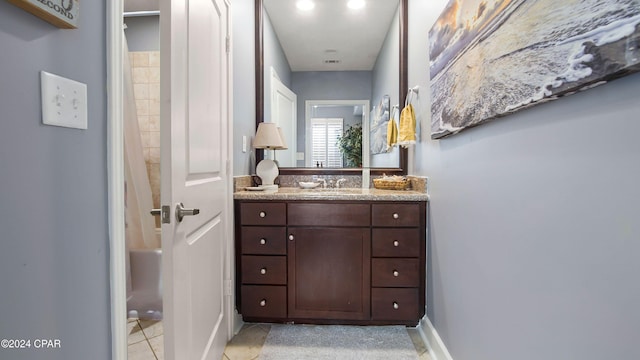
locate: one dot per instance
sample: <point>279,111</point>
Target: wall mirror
<point>302,72</point>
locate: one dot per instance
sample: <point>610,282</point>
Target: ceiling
<point>310,38</point>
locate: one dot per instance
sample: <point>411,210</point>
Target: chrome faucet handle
<point>339,181</point>
<point>323,181</point>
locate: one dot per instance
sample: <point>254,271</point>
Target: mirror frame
<point>259,81</point>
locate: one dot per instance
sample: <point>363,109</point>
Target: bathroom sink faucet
<point>324,183</point>
<point>340,181</point>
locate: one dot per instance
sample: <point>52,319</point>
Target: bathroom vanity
<point>350,256</point>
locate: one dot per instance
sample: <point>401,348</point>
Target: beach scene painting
<point>490,58</point>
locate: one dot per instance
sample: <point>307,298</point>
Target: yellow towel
<point>392,134</point>
<point>407,133</point>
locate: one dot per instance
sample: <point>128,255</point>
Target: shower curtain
<point>140,224</point>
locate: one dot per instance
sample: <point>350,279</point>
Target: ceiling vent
<point>332,61</point>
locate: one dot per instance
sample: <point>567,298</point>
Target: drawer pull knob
<point>396,273</point>
<point>396,216</point>
<point>263,271</point>
<point>263,241</point>
<point>263,302</point>
<point>395,305</point>
<point>291,237</point>
<point>396,243</point>
<point>263,214</point>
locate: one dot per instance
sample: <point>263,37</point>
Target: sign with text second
<point>61,13</point>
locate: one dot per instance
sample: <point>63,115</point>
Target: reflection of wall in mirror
<point>386,81</point>
<point>327,85</point>
<point>274,62</point>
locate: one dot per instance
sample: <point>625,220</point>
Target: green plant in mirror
<point>350,144</point>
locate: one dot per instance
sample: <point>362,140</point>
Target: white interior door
<point>284,113</point>
<point>195,170</point>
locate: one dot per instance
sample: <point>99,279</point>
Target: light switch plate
<point>64,101</point>
<point>300,156</point>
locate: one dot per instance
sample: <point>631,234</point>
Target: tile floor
<point>146,341</point>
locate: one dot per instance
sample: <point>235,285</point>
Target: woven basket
<point>388,184</point>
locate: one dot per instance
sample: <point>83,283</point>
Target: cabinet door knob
<point>263,302</point>
<point>263,271</point>
<point>291,237</point>
<point>396,243</point>
<point>396,273</point>
<point>395,305</point>
<point>396,215</point>
<point>263,214</point>
<point>263,241</point>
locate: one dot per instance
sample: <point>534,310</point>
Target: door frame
<point>116,193</point>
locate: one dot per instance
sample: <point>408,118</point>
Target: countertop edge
<point>339,195</point>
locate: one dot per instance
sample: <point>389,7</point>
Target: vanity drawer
<point>392,215</point>
<point>263,213</point>
<point>398,272</point>
<point>404,242</point>
<point>264,301</point>
<point>260,240</point>
<point>264,270</point>
<point>327,214</point>
<point>394,304</point>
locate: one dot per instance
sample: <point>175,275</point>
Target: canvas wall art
<point>489,58</point>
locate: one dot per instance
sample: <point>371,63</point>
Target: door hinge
<point>228,288</point>
<point>228,44</point>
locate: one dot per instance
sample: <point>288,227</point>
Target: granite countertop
<point>291,193</point>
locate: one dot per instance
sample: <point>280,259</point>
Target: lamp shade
<point>268,137</point>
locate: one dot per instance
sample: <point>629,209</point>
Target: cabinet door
<point>329,273</point>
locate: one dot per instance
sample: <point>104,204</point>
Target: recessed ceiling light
<point>355,4</point>
<point>305,5</point>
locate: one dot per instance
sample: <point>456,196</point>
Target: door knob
<point>181,212</point>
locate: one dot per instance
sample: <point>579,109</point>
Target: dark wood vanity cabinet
<point>360,262</point>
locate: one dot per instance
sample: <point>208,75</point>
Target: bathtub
<point>145,300</point>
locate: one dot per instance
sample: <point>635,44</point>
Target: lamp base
<point>267,170</point>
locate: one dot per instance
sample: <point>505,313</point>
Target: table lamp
<point>268,136</point>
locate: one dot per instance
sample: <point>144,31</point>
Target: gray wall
<point>244,104</point>
<point>143,33</point>
<point>54,247</point>
<point>533,228</point>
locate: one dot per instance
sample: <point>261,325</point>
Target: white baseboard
<point>238,323</point>
<point>432,340</point>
